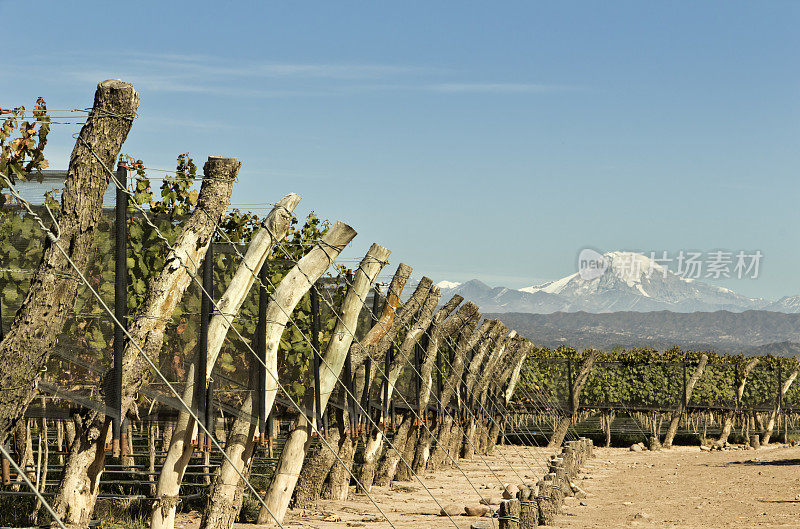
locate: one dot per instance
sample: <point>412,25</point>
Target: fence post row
<point>120,303</point>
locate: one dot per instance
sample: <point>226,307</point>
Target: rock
<point>583,504</point>
<point>477,510</point>
<point>451,509</point>
<point>510,492</point>
<point>636,448</point>
<point>641,516</point>
<point>491,500</point>
<point>524,493</point>
<point>479,525</point>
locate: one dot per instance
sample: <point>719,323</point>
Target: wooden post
<point>252,266</point>
<point>782,389</point>
<point>564,422</point>
<point>509,515</point>
<point>165,291</point>
<point>730,415</point>
<point>687,395</point>
<point>225,501</point>
<point>33,332</point>
<point>336,356</point>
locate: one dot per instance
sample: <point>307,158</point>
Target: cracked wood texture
<point>37,323</point>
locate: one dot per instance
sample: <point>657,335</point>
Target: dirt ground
<point>681,488</point>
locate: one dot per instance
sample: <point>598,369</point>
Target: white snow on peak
<point>553,287</point>
<point>447,284</point>
<point>631,267</point>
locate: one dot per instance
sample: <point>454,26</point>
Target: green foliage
<point>88,335</point>
<point>645,377</point>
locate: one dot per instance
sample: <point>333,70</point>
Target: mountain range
<point>630,301</point>
<point>627,282</point>
<point>749,332</point>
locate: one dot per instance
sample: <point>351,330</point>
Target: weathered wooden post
<point>467,338</point>
<point>291,461</point>
<point>576,387</point>
<point>226,494</point>
<point>529,513</point>
<point>509,515</point>
<point>33,332</point>
<point>730,415</point>
<point>783,387</point>
<point>440,329</point>
<point>545,502</point>
<point>688,387</point>
<point>80,479</point>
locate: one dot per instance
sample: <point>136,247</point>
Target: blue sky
<point>475,140</point>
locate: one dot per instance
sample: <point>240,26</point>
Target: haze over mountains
<point>641,305</point>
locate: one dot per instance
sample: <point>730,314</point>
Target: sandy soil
<point>681,488</point>
<point>686,488</point>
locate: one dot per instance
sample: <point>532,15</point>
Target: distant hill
<point>749,332</point>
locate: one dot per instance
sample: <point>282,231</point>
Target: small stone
<point>641,516</point>
<point>510,492</point>
<point>491,500</point>
<point>636,447</point>
<point>477,510</point>
<point>451,509</point>
<point>479,525</point>
<point>583,504</point>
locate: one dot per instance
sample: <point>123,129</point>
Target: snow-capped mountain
<point>788,304</point>
<point>624,281</point>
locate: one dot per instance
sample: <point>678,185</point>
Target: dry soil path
<point>686,488</point>
<point>680,488</point>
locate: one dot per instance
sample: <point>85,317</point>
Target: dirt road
<point>688,489</point>
<point>681,488</point>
